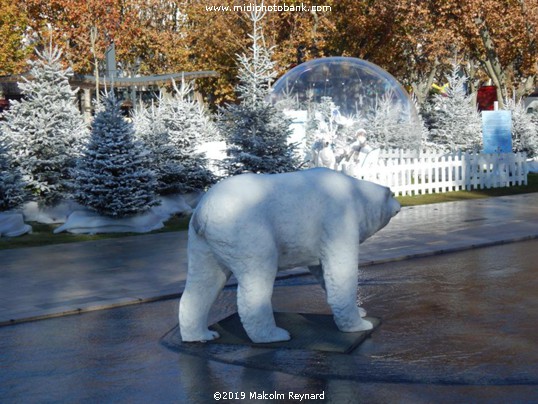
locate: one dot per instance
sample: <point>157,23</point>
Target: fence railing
<point>412,173</point>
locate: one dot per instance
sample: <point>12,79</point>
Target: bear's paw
<point>277,334</point>
<point>362,325</point>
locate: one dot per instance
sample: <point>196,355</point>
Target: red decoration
<point>486,97</point>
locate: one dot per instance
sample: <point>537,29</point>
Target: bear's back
<point>277,199</point>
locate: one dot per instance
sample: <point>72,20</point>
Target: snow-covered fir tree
<point>393,124</point>
<point>257,132</point>
<point>454,121</point>
<point>45,129</point>
<point>327,112</point>
<point>12,193</point>
<point>420,124</point>
<point>320,128</point>
<point>524,129</point>
<point>312,139</point>
<point>112,176</point>
<point>172,130</point>
<point>534,116</point>
<point>382,124</point>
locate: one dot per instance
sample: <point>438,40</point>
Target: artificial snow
<point>88,222</point>
<point>12,224</point>
<point>84,221</point>
<point>193,198</point>
<point>172,205</point>
<point>49,214</point>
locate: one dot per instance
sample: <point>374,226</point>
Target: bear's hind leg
<point>205,280</point>
<point>254,293</point>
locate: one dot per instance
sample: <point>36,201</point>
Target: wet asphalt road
<point>458,327</point>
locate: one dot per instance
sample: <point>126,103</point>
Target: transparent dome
<point>336,96</point>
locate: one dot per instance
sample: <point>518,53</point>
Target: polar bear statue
<point>253,225</point>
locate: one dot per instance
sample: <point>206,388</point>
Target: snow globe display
<point>346,111</point>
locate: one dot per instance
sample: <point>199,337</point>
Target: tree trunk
<point>492,63</point>
<point>93,41</point>
<point>421,88</point>
<point>529,85</point>
<point>526,87</point>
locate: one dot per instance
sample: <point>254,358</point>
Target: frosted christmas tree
<point>454,120</point>
<point>256,132</point>
<point>320,129</point>
<point>112,177</point>
<point>389,125</point>
<point>524,129</point>
<point>12,193</point>
<point>172,130</point>
<point>45,129</point>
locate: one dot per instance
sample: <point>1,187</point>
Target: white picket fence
<point>409,172</point>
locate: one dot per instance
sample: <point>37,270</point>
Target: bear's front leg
<point>317,271</point>
<point>340,274</point>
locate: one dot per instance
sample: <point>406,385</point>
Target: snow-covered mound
<point>84,221</point>
<point>12,224</point>
<point>88,222</point>
<point>49,215</point>
<point>172,205</point>
<point>193,198</point>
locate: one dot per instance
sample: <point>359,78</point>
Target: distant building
<point>531,102</point>
<point>130,89</point>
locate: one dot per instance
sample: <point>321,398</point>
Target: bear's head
<point>378,207</point>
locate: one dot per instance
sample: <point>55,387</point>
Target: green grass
<point>532,186</point>
<point>42,234</point>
